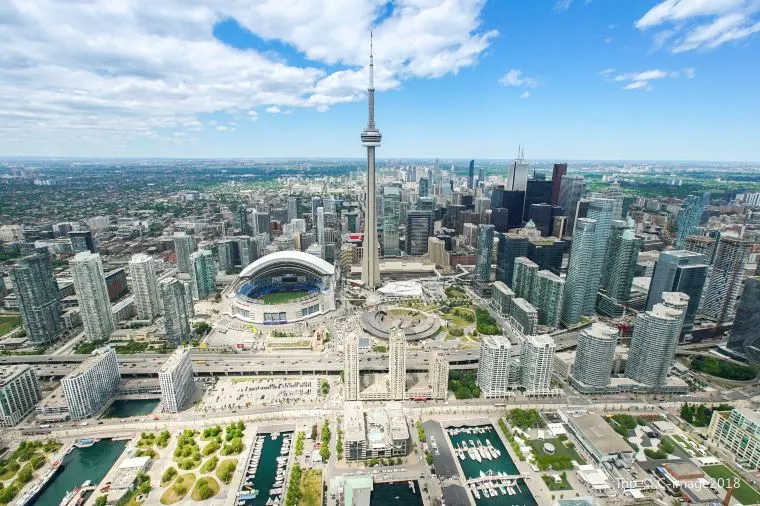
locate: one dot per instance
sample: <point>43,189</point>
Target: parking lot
<point>246,392</point>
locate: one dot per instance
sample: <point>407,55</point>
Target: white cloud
<point>606,72</point>
<point>525,94</point>
<point>273,109</point>
<point>562,5</point>
<point>642,80</point>
<point>515,78</point>
<point>697,24</point>
<point>115,69</point>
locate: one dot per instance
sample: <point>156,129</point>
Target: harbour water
<point>396,493</point>
<point>502,464</point>
<point>131,407</point>
<point>81,464</point>
<point>265,475</point>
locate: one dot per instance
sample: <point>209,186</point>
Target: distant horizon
<point>4,158</point>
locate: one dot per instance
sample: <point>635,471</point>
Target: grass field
<point>724,476</point>
<point>212,485</point>
<point>178,489</point>
<point>282,297</point>
<point>8,323</point>
<point>311,488</point>
<point>559,449</point>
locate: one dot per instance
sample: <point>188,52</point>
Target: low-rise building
<point>598,437</point>
<point>378,433</point>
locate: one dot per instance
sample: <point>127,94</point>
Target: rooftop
<point>601,434</point>
<point>174,359</point>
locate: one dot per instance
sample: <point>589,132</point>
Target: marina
<point>406,493</point>
<point>491,476</point>
<point>80,465</point>
<point>266,470</point>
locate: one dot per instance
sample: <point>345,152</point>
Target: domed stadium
<point>284,287</point>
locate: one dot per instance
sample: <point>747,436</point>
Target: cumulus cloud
<point>106,69</point>
<point>273,109</point>
<point>642,80</point>
<point>515,78</point>
<point>686,25</point>
<point>525,94</point>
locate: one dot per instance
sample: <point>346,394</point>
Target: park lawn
<point>311,488</point>
<point>555,486</point>
<point>559,449</point>
<point>226,466</point>
<point>213,485</point>
<point>723,475</point>
<point>282,297</point>
<point>8,323</point>
<point>170,496</point>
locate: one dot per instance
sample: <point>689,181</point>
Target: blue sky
<point>580,79</point>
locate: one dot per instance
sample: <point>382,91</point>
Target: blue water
<point>504,464</point>
<point>395,493</point>
<point>266,473</point>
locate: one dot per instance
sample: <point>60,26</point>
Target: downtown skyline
<point>577,80</point>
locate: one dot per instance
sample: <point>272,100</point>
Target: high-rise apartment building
<point>142,270</point>
<point>570,193</point>
<point>595,355</point>
<point>202,274</point>
<point>501,298</point>
<point>619,267</point>
<point>183,247</point>
<point>82,240</point>
<point>226,254</point>
<point>351,367</point>
<point>536,363</point>
<point>92,293</point>
<point>548,292</point>
<point>38,298</point>
<point>437,252</point>
<point>653,345</point>
<point>494,366</point>
<point>726,275</point>
<point>439,376</point>
<point>524,277</point>
<point>176,379</point>
<point>744,338</point>
<point>678,301</point>
<point>702,244</point>
<point>292,208</point>
<point>397,363</point>
<point>679,271</point>
<point>559,170</point>
<point>579,272</point>
<point>419,227</point>
<point>601,211</point>
<point>484,254</point>
<point>689,217</point>
<point>175,299</point>
<point>19,393</point>
<point>524,316</point>
<point>89,387</point>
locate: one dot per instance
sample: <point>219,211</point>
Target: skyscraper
<point>744,338</point>
<point>38,298</point>
<point>242,220</point>
<point>619,267</point>
<point>351,367</point>
<point>92,293</point>
<point>514,202</point>
<point>524,277</point>
<point>142,270</point>
<point>246,249</point>
<point>391,217</point>
<point>579,271</point>
<point>701,244</point>
<point>471,175</point>
<point>689,217</point>
<point>175,300</point>
<point>439,375</point>
<point>679,271</point>
<point>679,301</point>
<point>494,366</point>
<point>571,191</point>
<point>292,208</point>
<point>653,345</point>
<point>524,316</point>
<point>397,363</point>
<point>559,170</point>
<point>19,393</point>
<point>601,211</point>
<point>511,246</point>
<point>202,274</point>
<point>183,246</point>
<point>419,227</point>
<point>176,379</point>
<point>547,298</point>
<point>615,194</point>
<point>82,240</point>
<point>371,138</point>
<point>541,216</point>
<point>484,254</point>
<point>88,387</point>
<point>725,283</point>
<point>517,178</point>
<point>595,355</point>
<point>536,363</point>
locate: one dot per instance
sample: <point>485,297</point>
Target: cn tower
<point>371,139</point>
